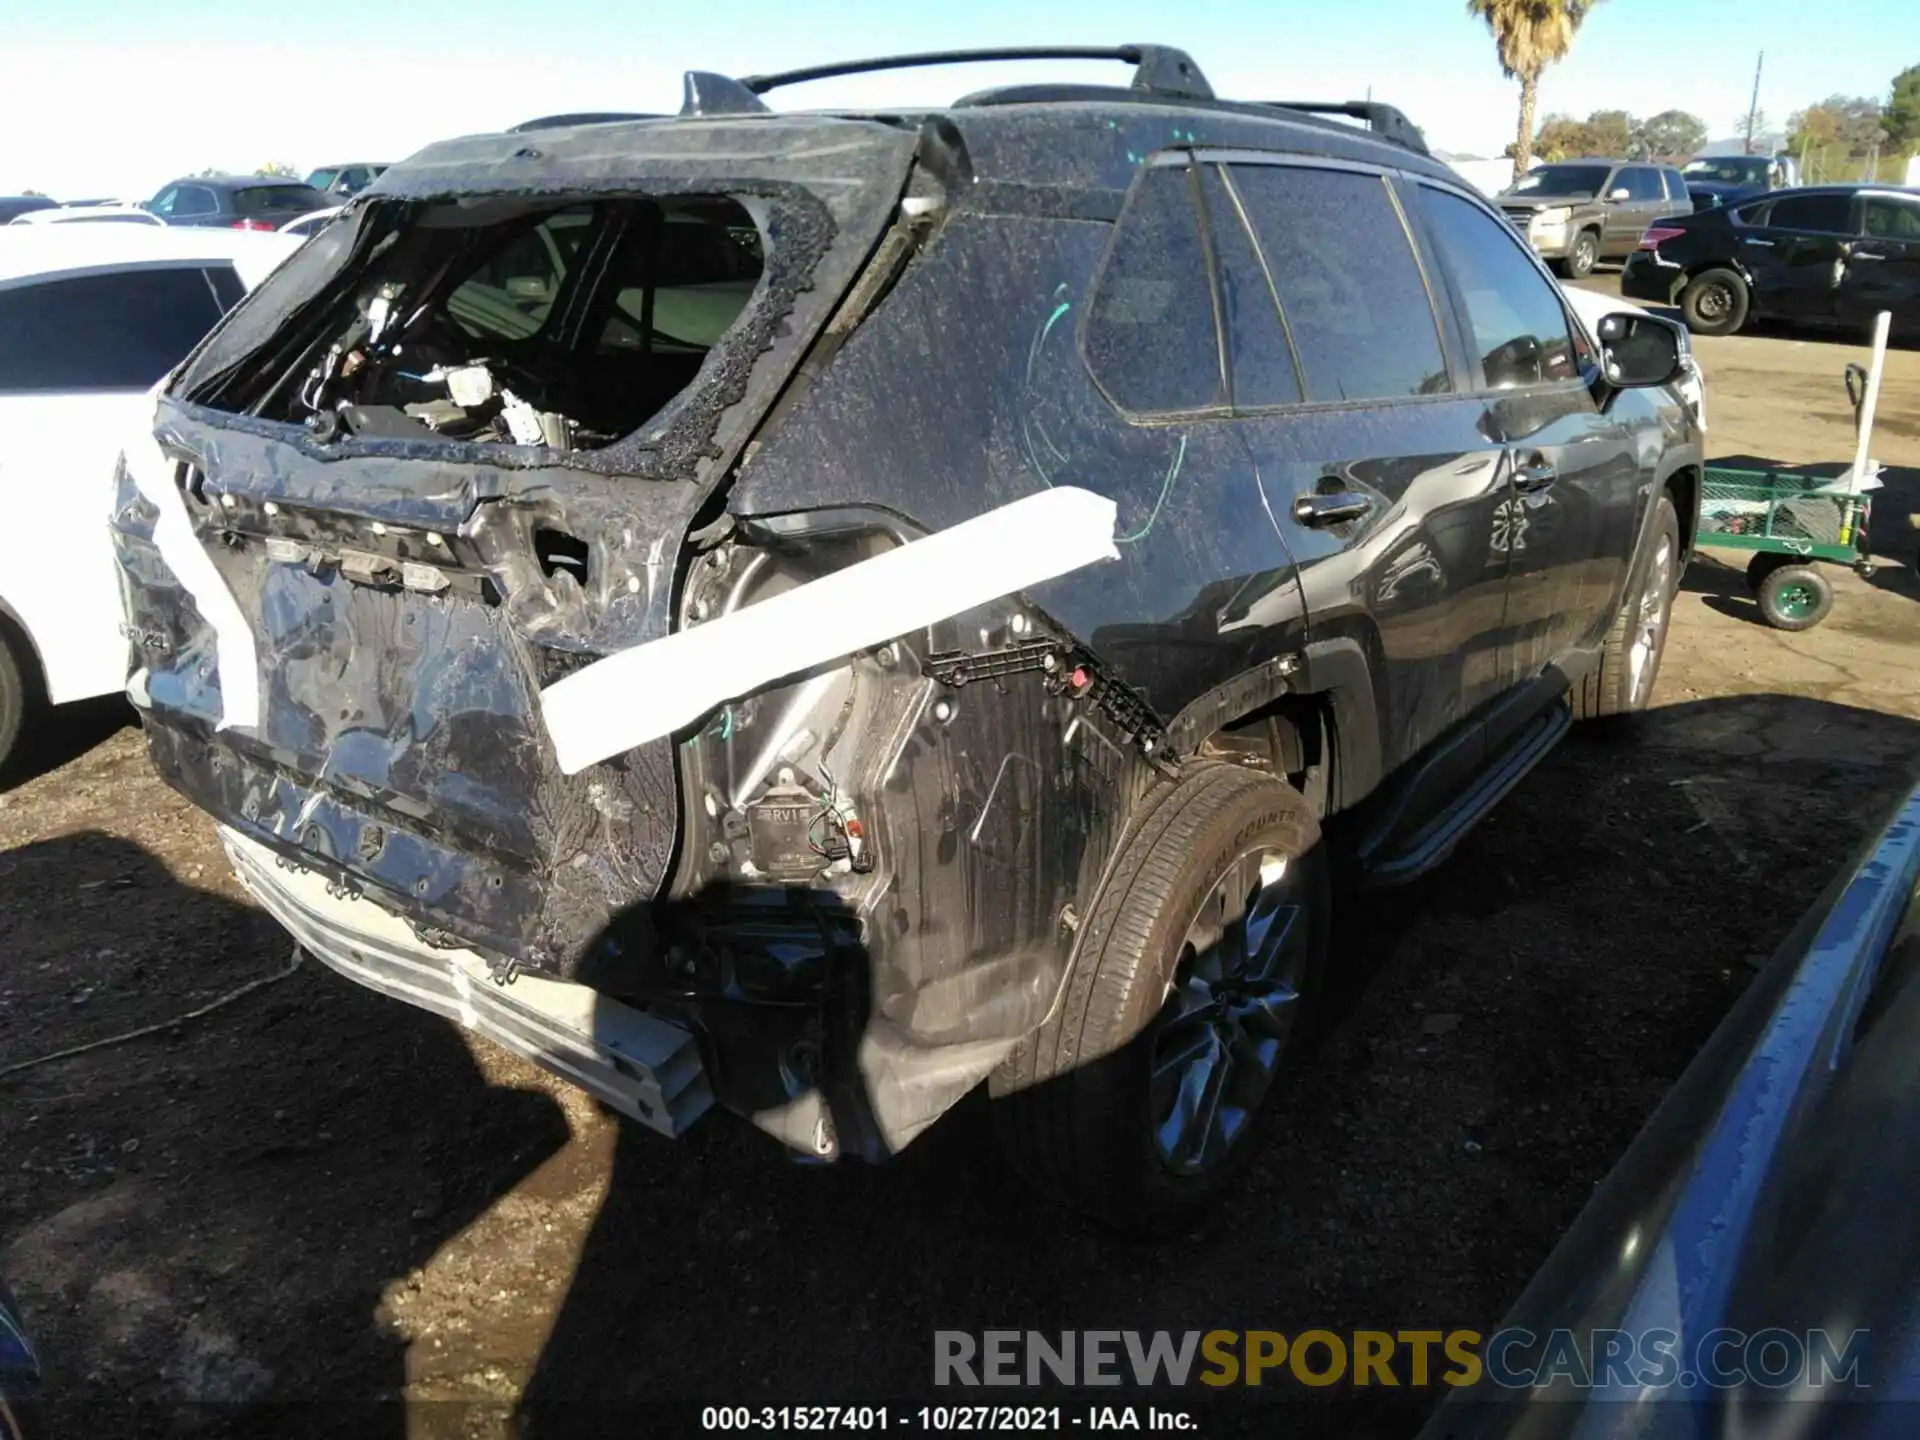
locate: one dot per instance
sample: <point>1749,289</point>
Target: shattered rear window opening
<point>559,323</point>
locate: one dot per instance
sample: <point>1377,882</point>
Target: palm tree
<point>1530,35</point>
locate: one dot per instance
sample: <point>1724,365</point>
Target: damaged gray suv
<point>812,613</point>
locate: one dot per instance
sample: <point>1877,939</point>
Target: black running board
<point>1431,844</point>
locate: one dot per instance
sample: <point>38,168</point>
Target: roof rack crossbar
<point>1157,68</point>
<point>1383,120</point>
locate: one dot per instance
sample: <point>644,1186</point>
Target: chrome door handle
<point>1763,244</point>
<point>1316,511</point>
<point>1864,255</point>
<point>1534,475</point>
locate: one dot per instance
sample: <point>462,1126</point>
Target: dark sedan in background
<point>1831,254</point>
<point>236,202</point>
<point>1729,179</point>
<point>12,205</point>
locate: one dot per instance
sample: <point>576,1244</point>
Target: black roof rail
<point>1383,120</point>
<point>593,117</point>
<point>1160,69</point>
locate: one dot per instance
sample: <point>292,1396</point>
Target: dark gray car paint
<point>412,768</point>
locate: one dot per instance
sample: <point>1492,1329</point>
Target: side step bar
<point>1431,844</point>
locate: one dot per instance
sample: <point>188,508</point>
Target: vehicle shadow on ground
<point>204,1221</point>
<point>58,736</point>
<point>1502,1030</point>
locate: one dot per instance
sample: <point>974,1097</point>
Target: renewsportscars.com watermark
<point>1515,1359</point>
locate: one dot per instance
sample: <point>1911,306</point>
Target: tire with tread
<point>1795,597</point>
<point>1607,689</point>
<point>1582,255</point>
<point>1697,293</point>
<point>1763,564</point>
<point>15,696</point>
<point>1071,1100</point>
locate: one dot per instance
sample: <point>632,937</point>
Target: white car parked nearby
<point>89,215</point>
<point>90,320</point>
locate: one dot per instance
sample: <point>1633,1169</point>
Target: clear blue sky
<point>116,96</point>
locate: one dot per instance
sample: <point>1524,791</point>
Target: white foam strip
<point>173,537</point>
<point>654,689</point>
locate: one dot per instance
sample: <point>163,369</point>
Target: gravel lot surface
<point>314,1194</point>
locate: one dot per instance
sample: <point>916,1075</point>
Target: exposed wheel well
<point>1291,737</point>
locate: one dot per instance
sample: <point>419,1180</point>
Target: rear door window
<point>686,295</point>
<point>120,331</point>
<point>1347,279</point>
<point>1891,218</point>
<point>1829,214</point>
<point>1642,182</point>
<point>1260,361</point>
<point>1150,337</point>
<point>511,292</point>
<point>1520,334</point>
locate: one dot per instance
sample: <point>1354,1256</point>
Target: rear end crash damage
<point>892,845</point>
<point>856,887</point>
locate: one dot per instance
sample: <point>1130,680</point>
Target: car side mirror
<point>1619,192</point>
<point>1637,350</point>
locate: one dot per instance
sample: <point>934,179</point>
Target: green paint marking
<point>1166,488</point>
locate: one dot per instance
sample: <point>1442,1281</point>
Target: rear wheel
<point>1622,683</point>
<point>1142,1096</point>
<point>1715,302</point>
<point>1795,597</point>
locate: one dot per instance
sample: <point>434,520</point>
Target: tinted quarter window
<point>1518,322</point>
<point>102,332</point>
<point>1260,362</point>
<point>1349,285</point>
<point>1150,337</point>
<point>277,200</point>
<point>1888,218</point>
<point>1821,214</point>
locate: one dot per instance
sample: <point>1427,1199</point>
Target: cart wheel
<point>1795,597</point>
<point>1763,564</point>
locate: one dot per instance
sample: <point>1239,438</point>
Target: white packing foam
<point>638,695</point>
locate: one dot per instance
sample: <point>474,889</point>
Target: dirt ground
<point>315,1195</point>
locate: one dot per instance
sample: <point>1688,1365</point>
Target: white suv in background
<point>90,318</point>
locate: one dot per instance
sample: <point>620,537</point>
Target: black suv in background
<point>1827,255</point>
<point>1579,212</point>
<point>816,612</point>
<point>238,202</point>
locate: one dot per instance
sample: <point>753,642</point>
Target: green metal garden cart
<point>1789,519</point>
